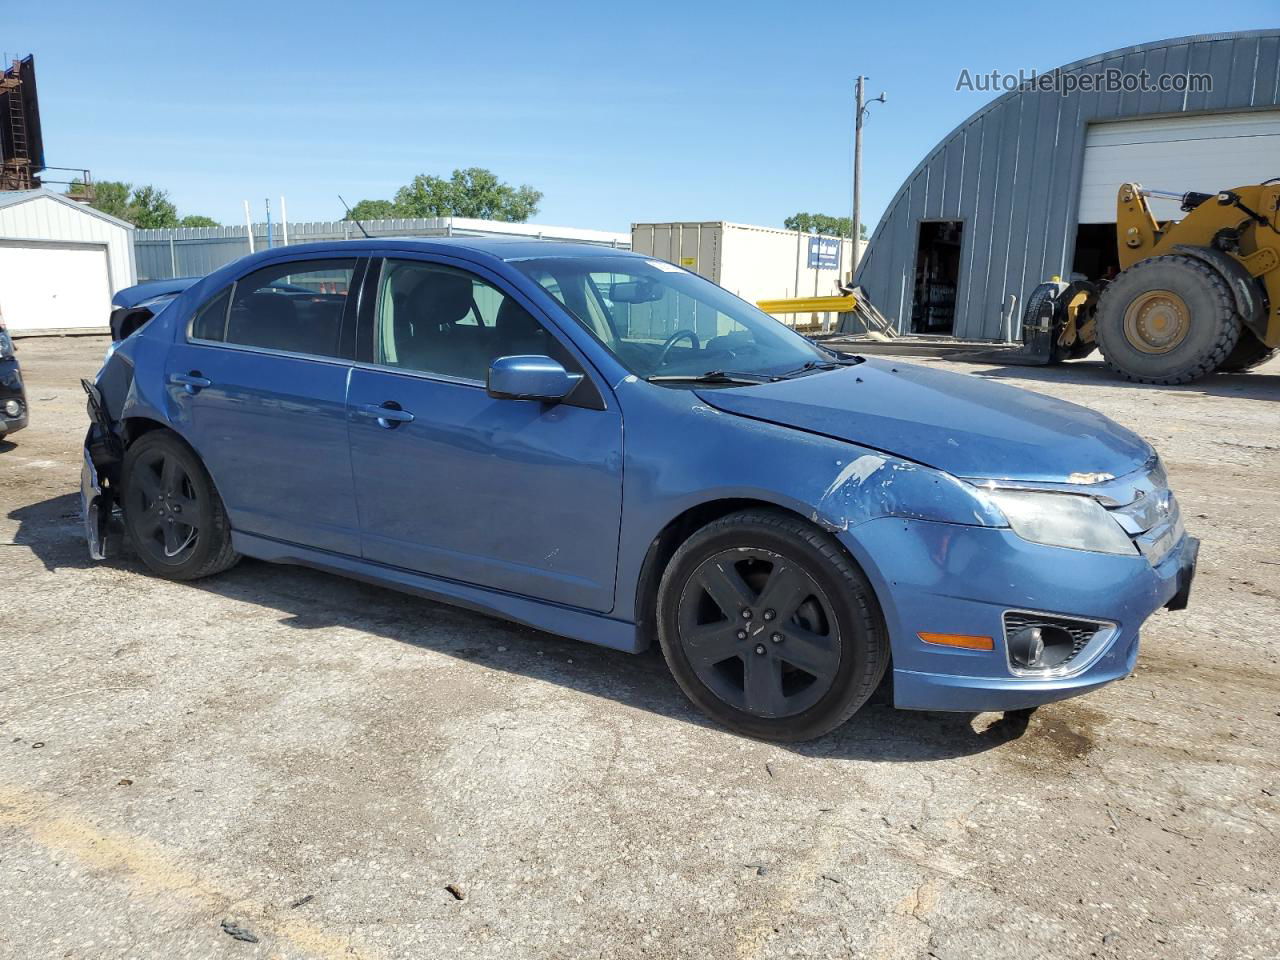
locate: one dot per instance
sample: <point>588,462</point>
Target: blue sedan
<point>606,446</point>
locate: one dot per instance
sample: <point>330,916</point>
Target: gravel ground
<point>340,771</point>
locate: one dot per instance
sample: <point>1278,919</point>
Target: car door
<point>515,495</point>
<point>260,379</point>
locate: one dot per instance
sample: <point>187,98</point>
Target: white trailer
<point>755,263</point>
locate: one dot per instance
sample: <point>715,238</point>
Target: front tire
<point>1167,320</point>
<point>770,628</point>
<point>172,513</point>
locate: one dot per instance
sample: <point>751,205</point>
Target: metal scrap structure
<point>21,146</point>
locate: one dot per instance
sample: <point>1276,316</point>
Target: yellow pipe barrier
<point>809,305</point>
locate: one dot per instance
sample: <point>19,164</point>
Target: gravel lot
<point>340,771</point>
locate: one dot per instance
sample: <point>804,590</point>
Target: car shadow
<point>7,445</point>
<point>54,531</point>
<point>313,601</point>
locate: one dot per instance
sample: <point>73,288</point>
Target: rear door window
<point>294,307</point>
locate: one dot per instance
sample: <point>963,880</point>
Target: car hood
<point>151,289</point>
<point>965,425</point>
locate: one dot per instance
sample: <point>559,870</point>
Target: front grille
<point>1081,632</point>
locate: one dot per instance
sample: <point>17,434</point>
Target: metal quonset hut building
<point>1025,188</point>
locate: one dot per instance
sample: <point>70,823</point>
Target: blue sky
<point>617,112</point>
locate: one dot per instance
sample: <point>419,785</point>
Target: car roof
<point>499,248</point>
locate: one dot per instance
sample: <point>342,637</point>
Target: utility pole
<point>855,222</point>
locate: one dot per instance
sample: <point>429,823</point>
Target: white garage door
<point>1207,153</point>
<point>45,286</point>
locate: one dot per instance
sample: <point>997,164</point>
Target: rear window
<point>292,307</point>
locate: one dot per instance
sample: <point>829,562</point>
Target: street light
<point>855,222</point>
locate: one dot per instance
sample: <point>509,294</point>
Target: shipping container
<point>754,263</point>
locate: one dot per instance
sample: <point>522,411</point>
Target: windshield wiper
<point>711,376</point>
<point>837,360</point>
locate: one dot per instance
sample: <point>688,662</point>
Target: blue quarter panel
<point>272,431</point>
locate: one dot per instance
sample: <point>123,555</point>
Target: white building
<point>60,262</point>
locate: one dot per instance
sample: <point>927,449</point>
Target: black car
<point>13,399</point>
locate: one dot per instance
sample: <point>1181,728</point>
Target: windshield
<point>662,321</point>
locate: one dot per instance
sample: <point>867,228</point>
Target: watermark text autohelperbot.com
<point>1103,81</point>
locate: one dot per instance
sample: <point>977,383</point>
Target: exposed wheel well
<point>666,543</point>
<point>134,427</point>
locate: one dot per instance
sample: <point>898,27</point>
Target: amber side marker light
<point>958,640</point>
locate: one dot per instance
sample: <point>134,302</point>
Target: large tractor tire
<point>1167,320</point>
<point>1249,352</point>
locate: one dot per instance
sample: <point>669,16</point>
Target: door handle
<point>192,381</point>
<point>386,416</point>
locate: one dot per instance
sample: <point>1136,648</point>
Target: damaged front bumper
<point>103,453</point>
<point>95,508</point>
<point>938,578</point>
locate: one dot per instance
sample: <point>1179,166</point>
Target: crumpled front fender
<point>874,485</point>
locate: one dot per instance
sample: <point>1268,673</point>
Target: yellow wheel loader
<point>1193,296</point>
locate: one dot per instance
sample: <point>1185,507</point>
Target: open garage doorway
<point>1096,256</point>
<point>933,306</point>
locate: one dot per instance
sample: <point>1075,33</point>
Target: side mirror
<point>530,378</point>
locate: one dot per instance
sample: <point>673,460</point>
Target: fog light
<point>1026,647</point>
<point>1041,648</point>
<point>12,408</point>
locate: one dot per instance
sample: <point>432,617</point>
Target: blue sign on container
<point>824,253</point>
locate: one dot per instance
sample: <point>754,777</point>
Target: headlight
<point>1062,520</point>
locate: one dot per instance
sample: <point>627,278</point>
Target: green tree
<point>145,206</point>
<point>373,210</point>
<point>150,207</point>
<point>109,196</point>
<point>822,223</point>
<point>474,192</point>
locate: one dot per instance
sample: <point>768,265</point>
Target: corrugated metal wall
<point>1011,173</point>
<point>196,251</point>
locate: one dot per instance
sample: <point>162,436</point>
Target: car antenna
<point>353,219</point>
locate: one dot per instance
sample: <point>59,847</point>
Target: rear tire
<point>1167,320</point>
<point>1249,352</point>
<point>172,513</point>
<point>802,644</point>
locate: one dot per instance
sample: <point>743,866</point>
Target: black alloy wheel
<point>759,633</point>
<point>770,627</point>
<point>172,512</point>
